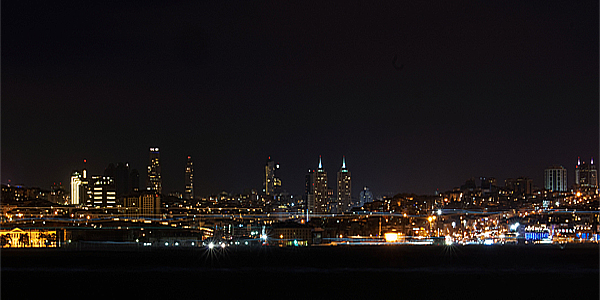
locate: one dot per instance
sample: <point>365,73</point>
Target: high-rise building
<point>189,180</point>
<point>272,183</point>
<point>134,181</point>
<point>79,186</point>
<point>344,188</point>
<point>120,175</point>
<point>75,188</point>
<point>586,175</point>
<point>555,178</point>
<point>122,179</point>
<point>366,196</point>
<point>319,191</point>
<point>154,181</point>
<point>102,192</point>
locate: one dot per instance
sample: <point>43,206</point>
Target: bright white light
<point>166,244</point>
<point>223,245</point>
<point>448,240</point>
<point>453,224</point>
<point>488,242</point>
<point>391,237</point>
<point>263,236</point>
<point>211,245</point>
<point>514,227</point>
<point>439,212</point>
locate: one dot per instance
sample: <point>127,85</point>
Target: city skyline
<point>418,98</point>
<point>570,173</point>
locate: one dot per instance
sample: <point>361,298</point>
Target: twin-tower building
<point>320,197</point>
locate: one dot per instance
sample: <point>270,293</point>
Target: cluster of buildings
<point>477,210</point>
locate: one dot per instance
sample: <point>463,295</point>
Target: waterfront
<point>510,271</point>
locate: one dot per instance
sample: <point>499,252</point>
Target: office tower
<point>79,186</point>
<point>189,180</point>
<point>102,192</point>
<point>272,183</point>
<point>366,196</point>
<point>344,188</point>
<point>308,183</point>
<point>134,181</point>
<point>75,188</point>
<point>586,175</point>
<point>555,178</point>
<point>308,190</point>
<point>120,176</point>
<point>122,179</point>
<point>320,190</point>
<point>154,181</point>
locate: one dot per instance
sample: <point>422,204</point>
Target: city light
<point>448,240</point>
<point>391,237</point>
<point>514,227</point>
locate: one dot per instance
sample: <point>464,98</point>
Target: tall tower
<point>344,188</point>
<point>586,175</point>
<point>555,178</point>
<point>79,186</point>
<point>321,197</point>
<point>154,181</point>
<point>134,181</point>
<point>272,182</point>
<point>189,180</point>
<point>75,188</point>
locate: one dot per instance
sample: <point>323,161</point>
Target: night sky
<point>417,96</point>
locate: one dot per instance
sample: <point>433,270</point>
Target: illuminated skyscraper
<point>79,186</point>
<point>189,180</point>
<point>75,188</point>
<point>555,178</point>
<point>154,181</point>
<point>586,175</point>
<point>344,188</point>
<point>272,182</point>
<point>320,196</point>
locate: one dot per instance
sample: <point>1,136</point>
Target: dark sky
<point>500,89</point>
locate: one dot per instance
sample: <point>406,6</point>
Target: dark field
<point>396,272</point>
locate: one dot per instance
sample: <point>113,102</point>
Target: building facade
<point>586,175</point>
<point>555,178</point>
<point>344,188</point>
<point>272,183</point>
<point>79,187</point>
<point>154,180</point>
<point>101,192</point>
<point>320,193</point>
<point>188,194</point>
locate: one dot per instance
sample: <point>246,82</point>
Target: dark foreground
<point>396,272</point>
